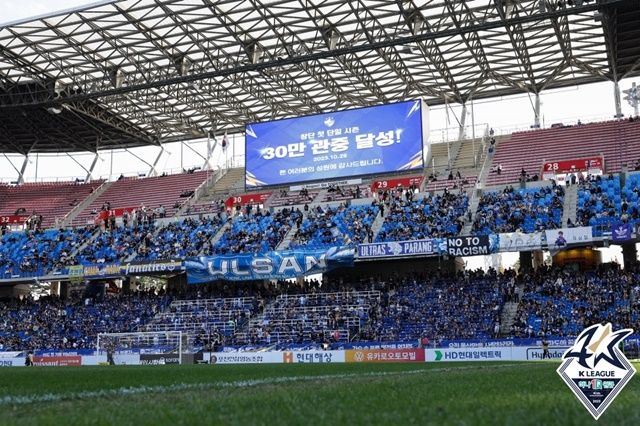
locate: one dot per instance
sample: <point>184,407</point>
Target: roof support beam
<point>159,77</point>
<point>517,37</point>
<point>429,48</point>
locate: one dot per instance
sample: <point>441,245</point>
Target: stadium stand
<point>51,200</point>
<point>455,183</point>
<point>441,309</point>
<point>435,305</point>
<point>342,193</point>
<point>430,216</point>
<point>186,238</point>
<point>615,140</point>
<point>116,244</point>
<point>560,303</point>
<point>312,317</point>
<point>335,225</point>
<point>220,316</point>
<point>259,232</point>
<point>525,210</point>
<point>72,323</point>
<point>283,198</point>
<point>169,191</point>
<point>38,253</point>
<point>599,203</point>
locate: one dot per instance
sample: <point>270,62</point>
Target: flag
<point>225,141</point>
<point>209,144</point>
<point>621,232</point>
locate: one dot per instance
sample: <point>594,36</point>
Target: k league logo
<point>595,369</point>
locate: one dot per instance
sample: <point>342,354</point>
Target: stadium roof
<point>139,72</point>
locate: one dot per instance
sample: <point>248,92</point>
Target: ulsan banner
<point>273,265</point>
<point>520,241</point>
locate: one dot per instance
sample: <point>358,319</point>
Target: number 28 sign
<point>575,165</point>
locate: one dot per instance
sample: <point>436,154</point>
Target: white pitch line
<point>140,390</point>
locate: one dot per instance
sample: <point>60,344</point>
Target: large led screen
<point>363,141</point>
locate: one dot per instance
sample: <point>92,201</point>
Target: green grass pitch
<point>302,394</point>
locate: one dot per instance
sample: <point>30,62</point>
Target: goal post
<point>152,347</point>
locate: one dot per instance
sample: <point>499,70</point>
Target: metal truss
<point>139,72</point>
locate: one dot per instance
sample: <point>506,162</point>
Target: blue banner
<point>621,232</point>
<point>396,248</point>
<point>363,141</point>
<point>273,265</point>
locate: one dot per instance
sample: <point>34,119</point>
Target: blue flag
<point>621,232</point>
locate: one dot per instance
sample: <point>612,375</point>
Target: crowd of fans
<point>522,210</point>
<point>186,238</point>
<point>335,225</point>
<point>436,216</point>
<point>115,244</point>
<point>560,303</point>
<point>40,252</point>
<point>257,233</point>
<point>73,323</point>
<point>433,304</point>
<point>599,202</point>
<point>460,306</point>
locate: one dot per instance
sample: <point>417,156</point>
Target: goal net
<point>152,347</point>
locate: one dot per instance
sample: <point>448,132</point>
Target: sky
<point>588,103</point>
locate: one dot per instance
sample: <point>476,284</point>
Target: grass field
<point>302,394</point>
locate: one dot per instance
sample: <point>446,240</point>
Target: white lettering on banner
<point>236,271</point>
<point>265,265</point>
<point>466,246</point>
<point>261,266</point>
<point>289,263</point>
<point>150,267</point>
<point>468,251</point>
<point>311,261</point>
<point>417,247</point>
<point>373,250</point>
<point>358,163</point>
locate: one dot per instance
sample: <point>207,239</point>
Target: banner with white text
<point>273,265</point>
<point>396,249</point>
<point>473,245</point>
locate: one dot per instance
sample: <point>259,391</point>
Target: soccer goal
<point>153,347</point>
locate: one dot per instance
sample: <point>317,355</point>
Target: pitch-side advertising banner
<point>520,241</point>
<point>385,355</point>
<point>371,140</point>
<point>272,265</point>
